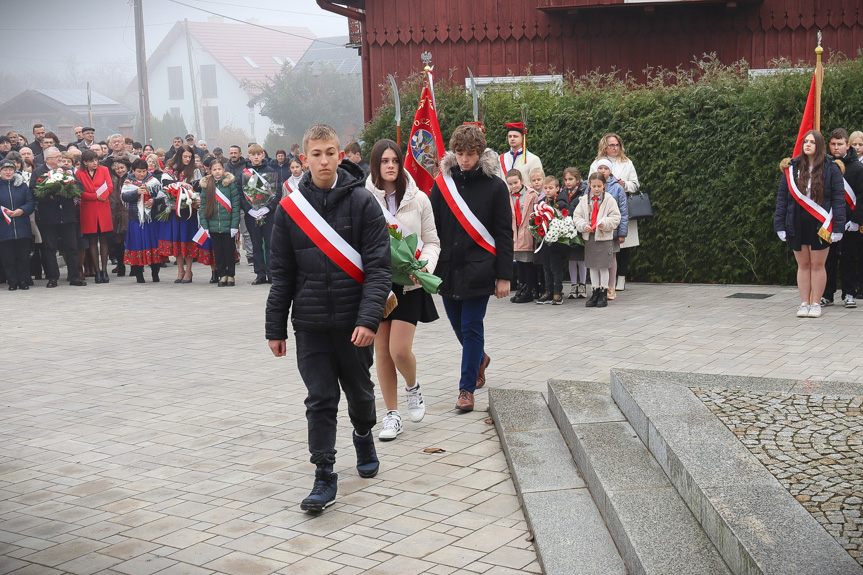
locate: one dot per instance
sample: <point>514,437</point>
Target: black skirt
<point>414,306</point>
<point>807,228</point>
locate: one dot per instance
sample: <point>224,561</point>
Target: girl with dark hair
<point>220,216</point>
<point>810,206</point>
<point>175,237</point>
<point>409,209</point>
<point>120,215</point>
<point>96,220</point>
<point>142,192</point>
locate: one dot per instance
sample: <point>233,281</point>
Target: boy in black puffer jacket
<point>337,305</point>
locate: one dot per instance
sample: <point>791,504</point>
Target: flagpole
<point>819,81</point>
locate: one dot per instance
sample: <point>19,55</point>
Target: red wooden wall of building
<point>501,37</point>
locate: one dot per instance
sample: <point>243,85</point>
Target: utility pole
<point>143,84</point>
<point>192,78</point>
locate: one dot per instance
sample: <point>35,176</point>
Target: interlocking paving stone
<point>146,386</point>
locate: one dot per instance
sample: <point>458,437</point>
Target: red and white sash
<point>850,196</point>
<point>816,211</point>
<point>323,235</point>
<point>403,230</point>
<point>466,218</point>
<point>223,200</point>
<point>6,212</point>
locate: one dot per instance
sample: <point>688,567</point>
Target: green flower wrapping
<point>405,264</point>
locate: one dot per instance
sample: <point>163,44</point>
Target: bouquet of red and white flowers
<point>178,196</point>
<point>549,224</point>
<point>258,192</point>
<point>57,182</point>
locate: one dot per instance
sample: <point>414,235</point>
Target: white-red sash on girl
<point>816,211</point>
<point>850,196</point>
<point>6,212</point>
<point>323,235</point>
<point>465,217</point>
<point>223,200</point>
<point>405,232</point>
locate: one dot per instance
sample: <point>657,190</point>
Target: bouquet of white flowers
<point>57,182</point>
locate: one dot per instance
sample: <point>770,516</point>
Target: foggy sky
<point>43,34</point>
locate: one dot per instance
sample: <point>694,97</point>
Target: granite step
<point>653,528</point>
<point>755,523</point>
<point>570,536</point>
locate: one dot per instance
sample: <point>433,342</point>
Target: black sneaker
<point>825,302</point>
<point>367,457</point>
<point>544,298</point>
<point>557,299</point>
<point>323,492</point>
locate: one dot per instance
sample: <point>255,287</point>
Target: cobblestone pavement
<point>813,444</point>
<point>147,428</point>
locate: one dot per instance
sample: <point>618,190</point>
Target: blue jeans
<point>466,317</point>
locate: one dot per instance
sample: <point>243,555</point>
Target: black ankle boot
<point>154,271</point>
<point>603,298</point>
<point>594,298</point>
<point>121,271</point>
<point>137,272</point>
<point>323,492</point>
<point>215,277</point>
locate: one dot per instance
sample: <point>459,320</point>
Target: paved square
<point>148,429</point>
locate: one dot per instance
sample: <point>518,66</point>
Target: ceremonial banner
<point>808,122</point>
<point>426,146</point>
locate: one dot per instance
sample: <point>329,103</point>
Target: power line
<point>255,25</point>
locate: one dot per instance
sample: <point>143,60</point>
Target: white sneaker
<point>803,310</point>
<point>620,284</point>
<point>416,405</point>
<point>392,426</point>
<point>850,301</point>
<point>814,310</point>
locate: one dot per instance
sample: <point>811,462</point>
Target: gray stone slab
<point>688,379</point>
<point>569,534</point>
<point>809,387</point>
<point>778,533</point>
<point>756,525</point>
<point>583,402</point>
<point>540,460</point>
<point>656,533</point>
<point>618,458</point>
<point>524,410</point>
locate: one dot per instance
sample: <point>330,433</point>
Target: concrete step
<point>757,525</point>
<point>650,523</point>
<point>569,534</point>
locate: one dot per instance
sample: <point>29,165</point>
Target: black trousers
<point>65,238</point>
<point>223,251</point>
<point>845,255</point>
<point>327,360</point>
<point>15,255</point>
<point>260,243</point>
<point>623,257</point>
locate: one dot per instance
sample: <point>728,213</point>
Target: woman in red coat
<point>96,221</point>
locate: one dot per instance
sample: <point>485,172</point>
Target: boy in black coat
<point>335,308</point>
<point>468,268</point>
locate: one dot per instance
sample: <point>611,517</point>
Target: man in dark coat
<point>846,253</point>
<point>335,308</point>
<point>471,271</point>
<point>259,222</point>
<point>57,217</point>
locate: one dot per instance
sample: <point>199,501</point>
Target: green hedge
<point>706,143</point>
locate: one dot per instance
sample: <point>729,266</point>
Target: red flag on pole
<point>808,122</point>
<point>425,146</point>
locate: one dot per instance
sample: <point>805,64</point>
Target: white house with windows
<point>228,60</point>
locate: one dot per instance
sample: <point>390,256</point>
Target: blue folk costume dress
<point>142,236</point>
<point>175,235</point>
